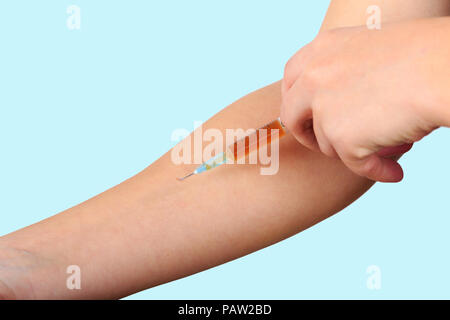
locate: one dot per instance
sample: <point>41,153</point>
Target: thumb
<point>376,168</point>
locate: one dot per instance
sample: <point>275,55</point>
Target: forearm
<point>152,228</point>
<point>347,13</point>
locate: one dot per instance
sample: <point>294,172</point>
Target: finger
<point>376,168</point>
<point>307,135</point>
<point>296,115</point>
<point>395,151</point>
<point>323,142</point>
<point>293,69</point>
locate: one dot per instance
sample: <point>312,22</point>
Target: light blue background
<point>82,110</point>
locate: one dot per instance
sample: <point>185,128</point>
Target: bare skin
<point>368,90</point>
<point>152,229</point>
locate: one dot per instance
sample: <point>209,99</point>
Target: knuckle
<point>326,149</point>
<point>360,153</point>
<point>370,168</point>
<point>326,146</point>
<point>313,76</point>
<point>345,155</point>
<point>294,65</point>
<point>310,77</point>
<point>360,162</point>
<point>289,69</point>
<point>336,135</point>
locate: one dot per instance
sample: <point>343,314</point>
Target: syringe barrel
<point>261,137</point>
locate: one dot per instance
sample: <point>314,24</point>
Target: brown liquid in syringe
<point>246,145</point>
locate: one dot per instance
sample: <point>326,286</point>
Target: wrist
<point>436,68</point>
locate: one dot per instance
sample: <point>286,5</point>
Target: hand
<point>366,95</point>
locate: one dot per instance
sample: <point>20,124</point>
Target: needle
<point>185,177</point>
<point>221,158</point>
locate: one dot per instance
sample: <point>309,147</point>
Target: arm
<point>152,229</point>
<point>348,13</point>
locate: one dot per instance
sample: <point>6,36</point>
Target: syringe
<point>243,147</point>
